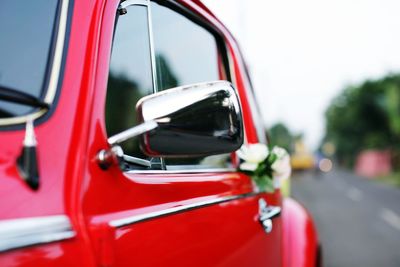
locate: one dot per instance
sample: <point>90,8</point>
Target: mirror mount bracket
<point>115,154</point>
<point>108,157</point>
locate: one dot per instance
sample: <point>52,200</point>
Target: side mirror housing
<point>194,120</point>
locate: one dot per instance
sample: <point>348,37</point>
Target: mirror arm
<point>132,132</point>
<point>115,154</point>
<point>137,161</point>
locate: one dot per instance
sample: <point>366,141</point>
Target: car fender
<point>300,240</point>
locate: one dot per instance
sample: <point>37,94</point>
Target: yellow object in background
<point>301,159</point>
<point>285,187</point>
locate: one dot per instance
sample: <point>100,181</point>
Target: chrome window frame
<point>55,69</point>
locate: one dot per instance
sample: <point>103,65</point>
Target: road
<point>358,220</point>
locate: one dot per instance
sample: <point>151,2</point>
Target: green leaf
<point>264,183</point>
<point>271,158</point>
<point>269,186</point>
<point>261,169</point>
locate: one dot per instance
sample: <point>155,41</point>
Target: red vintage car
<point>87,179</point>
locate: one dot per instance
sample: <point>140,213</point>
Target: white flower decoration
<point>281,166</point>
<point>253,153</point>
<point>266,168</point>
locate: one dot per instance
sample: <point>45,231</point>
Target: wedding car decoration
<point>266,167</point>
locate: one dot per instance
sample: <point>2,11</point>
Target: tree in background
<point>365,116</point>
<point>280,135</point>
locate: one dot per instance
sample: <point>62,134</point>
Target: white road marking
<point>354,194</point>
<point>391,218</point>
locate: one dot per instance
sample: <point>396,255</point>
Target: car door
<point>171,212</point>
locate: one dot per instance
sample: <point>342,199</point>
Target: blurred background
<point>327,79</point>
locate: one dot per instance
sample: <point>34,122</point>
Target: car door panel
<point>165,218</point>
<point>175,218</point>
<point>224,234</point>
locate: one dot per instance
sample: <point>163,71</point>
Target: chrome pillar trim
<point>153,62</point>
<point>134,3</point>
<point>54,72</point>
<point>19,233</point>
<point>152,49</point>
<point>151,215</point>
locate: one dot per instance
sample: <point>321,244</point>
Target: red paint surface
<point>300,240</point>
<point>372,163</point>
<point>226,234</point>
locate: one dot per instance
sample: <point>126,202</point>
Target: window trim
<point>54,68</point>
<point>188,171</point>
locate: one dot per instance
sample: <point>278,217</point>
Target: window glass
<point>185,52</point>
<point>130,75</point>
<point>26,29</point>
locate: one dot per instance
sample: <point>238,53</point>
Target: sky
<point>301,54</point>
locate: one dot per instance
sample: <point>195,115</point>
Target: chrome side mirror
<point>194,120</point>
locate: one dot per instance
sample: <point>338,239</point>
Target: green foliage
<point>365,116</point>
<point>280,135</point>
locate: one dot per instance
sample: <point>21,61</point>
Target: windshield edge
<point>54,70</point>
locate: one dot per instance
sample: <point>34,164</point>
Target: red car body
<point>225,231</point>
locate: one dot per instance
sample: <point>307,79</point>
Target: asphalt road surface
<point>358,220</point>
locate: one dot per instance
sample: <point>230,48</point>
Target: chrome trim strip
<point>151,215</point>
<point>54,73</point>
<point>152,49</point>
<point>19,233</point>
<point>153,61</point>
<point>216,170</point>
<point>127,3</point>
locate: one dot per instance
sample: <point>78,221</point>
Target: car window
<point>26,30</point>
<point>184,53</point>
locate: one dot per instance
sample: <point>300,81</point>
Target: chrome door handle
<point>266,214</point>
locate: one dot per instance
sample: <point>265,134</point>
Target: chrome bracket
<point>115,154</point>
<point>108,157</point>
